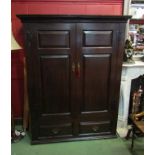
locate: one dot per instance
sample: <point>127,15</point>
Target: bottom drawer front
<point>94,127</point>
<point>56,131</point>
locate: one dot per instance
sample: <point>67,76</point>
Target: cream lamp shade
<point>14,44</point>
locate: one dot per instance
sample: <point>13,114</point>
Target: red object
<point>137,21</point>
<point>85,7</point>
<point>17,87</point>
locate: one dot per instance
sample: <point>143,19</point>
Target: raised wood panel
<point>98,52</point>
<point>96,72</point>
<point>56,119</point>
<point>53,39</point>
<point>56,130</point>
<point>95,127</point>
<point>97,38</point>
<point>55,80</point>
<point>73,93</point>
<point>95,116</point>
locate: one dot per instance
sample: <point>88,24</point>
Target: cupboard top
<point>71,18</point>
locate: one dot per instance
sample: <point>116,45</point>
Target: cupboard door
<point>97,57</point>
<point>51,57</point>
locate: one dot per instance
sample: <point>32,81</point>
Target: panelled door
<point>97,55</point>
<point>73,69</point>
<point>51,57</point>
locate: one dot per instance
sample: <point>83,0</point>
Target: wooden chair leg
<point>133,137</point>
<point>128,134</point>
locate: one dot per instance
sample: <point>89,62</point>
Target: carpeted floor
<point>116,146</point>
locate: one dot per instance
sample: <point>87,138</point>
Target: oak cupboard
<point>74,67</point>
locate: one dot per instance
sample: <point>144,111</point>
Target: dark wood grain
<point>53,39</point>
<point>97,80</point>
<point>71,18</point>
<point>97,38</point>
<point>74,69</point>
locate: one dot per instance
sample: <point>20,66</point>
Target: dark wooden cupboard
<point>74,69</point>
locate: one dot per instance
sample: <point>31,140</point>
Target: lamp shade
<point>14,44</point>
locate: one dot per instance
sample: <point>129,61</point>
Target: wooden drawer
<point>56,131</point>
<point>55,119</point>
<point>95,116</point>
<point>97,127</point>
